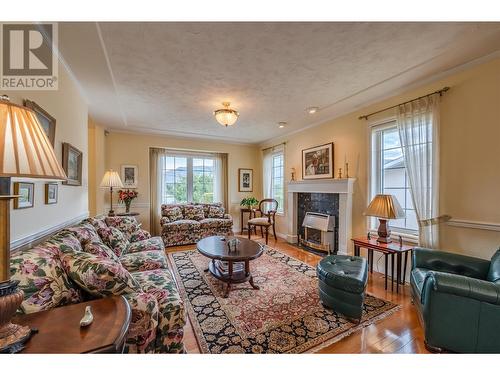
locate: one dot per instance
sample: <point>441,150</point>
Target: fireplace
<point>327,196</point>
<point>319,232</point>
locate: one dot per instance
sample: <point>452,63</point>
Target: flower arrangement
<point>127,196</point>
<point>249,202</point>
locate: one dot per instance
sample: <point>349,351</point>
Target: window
<point>277,180</point>
<point>388,175</point>
<point>188,178</point>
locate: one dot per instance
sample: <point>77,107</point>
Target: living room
<point>250,187</point>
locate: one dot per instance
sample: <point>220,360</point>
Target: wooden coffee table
<point>231,266</point>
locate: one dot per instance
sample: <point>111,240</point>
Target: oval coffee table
<point>230,265</point>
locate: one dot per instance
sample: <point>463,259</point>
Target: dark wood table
<point>59,329</point>
<point>231,266</point>
<point>243,211</point>
<point>392,249</point>
<point>128,214</point>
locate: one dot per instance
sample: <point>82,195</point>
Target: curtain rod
<point>276,145</point>
<point>440,92</point>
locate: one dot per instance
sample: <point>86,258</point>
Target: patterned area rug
<point>284,316</point>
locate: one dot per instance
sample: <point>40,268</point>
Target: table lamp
<point>385,207</point>
<point>25,151</point>
<point>111,180</point>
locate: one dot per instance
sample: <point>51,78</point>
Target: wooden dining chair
<point>266,218</point>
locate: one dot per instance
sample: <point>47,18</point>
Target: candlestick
<point>340,173</point>
<point>346,170</point>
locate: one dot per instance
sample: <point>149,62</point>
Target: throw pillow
<point>84,233</point>
<point>114,239</point>
<point>100,249</point>
<point>98,276</point>
<point>97,222</point>
<point>140,235</point>
<point>194,213</point>
<point>216,212</point>
<point>126,224</point>
<point>173,213</point>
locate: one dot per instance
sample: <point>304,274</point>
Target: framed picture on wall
<point>130,176</point>
<point>46,120</point>
<point>245,179</point>
<point>317,162</point>
<point>51,191</point>
<point>26,192</point>
<point>72,164</point>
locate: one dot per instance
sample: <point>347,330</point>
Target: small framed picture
<point>46,120</point>
<point>72,164</point>
<point>245,179</point>
<point>51,190</point>
<point>26,192</point>
<point>130,176</point>
<point>317,162</point>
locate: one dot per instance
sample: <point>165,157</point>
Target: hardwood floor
<point>400,332</point>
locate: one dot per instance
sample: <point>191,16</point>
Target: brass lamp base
<point>12,336</point>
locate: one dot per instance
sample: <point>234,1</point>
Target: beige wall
<point>97,167</point>
<point>125,148</point>
<point>70,110</point>
<point>470,156</point>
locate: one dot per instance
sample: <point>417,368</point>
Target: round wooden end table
<point>230,261</point>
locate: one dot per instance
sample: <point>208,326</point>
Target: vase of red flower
<point>127,196</point>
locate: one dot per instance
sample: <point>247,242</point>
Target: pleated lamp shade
<point>25,150</point>
<point>385,206</point>
<point>111,179</point>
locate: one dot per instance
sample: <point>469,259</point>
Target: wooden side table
<point>243,211</point>
<point>392,249</point>
<point>59,329</point>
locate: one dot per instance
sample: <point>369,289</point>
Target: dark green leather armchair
<point>458,300</point>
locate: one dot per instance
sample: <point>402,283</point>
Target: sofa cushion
<point>215,212</point>
<point>99,249</point>
<point>144,261</point>
<point>172,213</point>
<point>153,243</point>
<point>97,221</point>
<point>194,212</point>
<point>126,224</point>
<point>42,278</point>
<point>98,276</point>
<point>139,235</point>
<point>172,316</point>
<point>215,223</point>
<point>84,232</point>
<point>115,239</point>
<point>183,225</point>
<point>494,271</point>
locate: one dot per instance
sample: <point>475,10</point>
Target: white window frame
<point>189,171</point>
<point>281,208</point>
<point>373,163</point>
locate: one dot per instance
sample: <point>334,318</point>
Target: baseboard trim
<point>474,224</point>
<point>36,237</point>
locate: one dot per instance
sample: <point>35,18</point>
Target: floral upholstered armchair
<point>184,224</point>
<point>100,257</point>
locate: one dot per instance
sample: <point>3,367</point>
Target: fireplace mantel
<point>343,187</point>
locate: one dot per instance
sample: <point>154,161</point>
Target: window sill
<point>409,238</point>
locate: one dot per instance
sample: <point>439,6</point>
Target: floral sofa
<point>105,256</point>
<point>184,224</point>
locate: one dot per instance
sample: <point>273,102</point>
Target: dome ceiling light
<point>312,110</point>
<point>281,124</point>
<point>226,116</point>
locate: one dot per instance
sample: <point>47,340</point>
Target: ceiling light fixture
<point>312,110</point>
<point>226,116</point>
<point>281,124</point>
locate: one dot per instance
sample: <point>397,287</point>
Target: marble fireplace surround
<point>343,187</point>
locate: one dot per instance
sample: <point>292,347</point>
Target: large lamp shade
<point>25,151</point>
<point>385,207</point>
<point>111,180</point>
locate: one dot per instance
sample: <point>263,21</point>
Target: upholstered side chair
<point>267,209</point>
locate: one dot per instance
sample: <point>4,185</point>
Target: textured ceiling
<point>169,77</point>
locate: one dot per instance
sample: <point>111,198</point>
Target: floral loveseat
<point>184,224</point>
<point>100,257</point>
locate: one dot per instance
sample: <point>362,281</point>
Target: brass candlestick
<point>346,170</point>
<point>340,173</point>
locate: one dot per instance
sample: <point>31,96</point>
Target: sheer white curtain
<point>156,168</point>
<point>267,172</point>
<point>418,125</point>
<point>220,179</point>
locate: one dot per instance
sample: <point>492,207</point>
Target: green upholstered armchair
<point>458,300</point>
